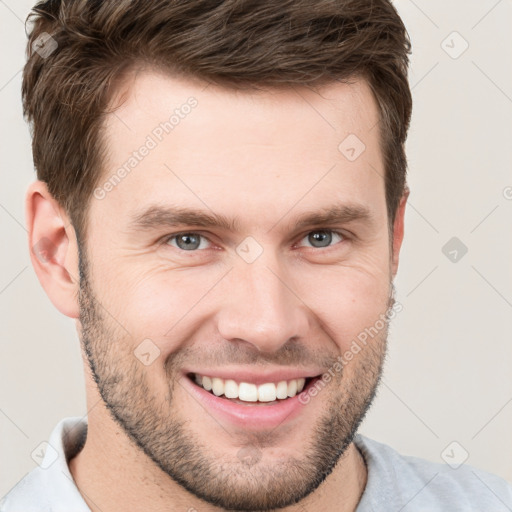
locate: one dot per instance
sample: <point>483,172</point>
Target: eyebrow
<point>156,216</point>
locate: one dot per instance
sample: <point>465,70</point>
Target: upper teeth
<point>247,392</point>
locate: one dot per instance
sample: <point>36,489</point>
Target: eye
<point>187,241</point>
<point>192,241</point>
<point>323,238</point>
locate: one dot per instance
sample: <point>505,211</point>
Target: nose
<point>260,307</point>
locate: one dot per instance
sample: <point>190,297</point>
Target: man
<point>220,207</point>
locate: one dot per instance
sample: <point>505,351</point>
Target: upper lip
<point>253,376</point>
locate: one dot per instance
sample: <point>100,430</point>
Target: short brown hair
<point>234,43</point>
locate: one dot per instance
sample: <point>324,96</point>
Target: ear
<point>53,248</point>
<point>398,231</point>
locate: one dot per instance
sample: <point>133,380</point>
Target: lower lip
<point>255,416</point>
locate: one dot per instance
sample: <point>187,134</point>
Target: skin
<point>264,158</point>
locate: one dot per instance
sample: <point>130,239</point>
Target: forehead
<point>172,140</point>
<point>152,96</point>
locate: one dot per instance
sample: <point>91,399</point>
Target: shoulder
<point>50,486</point>
<point>412,483</point>
<point>27,495</point>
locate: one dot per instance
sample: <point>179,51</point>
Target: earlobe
<point>398,231</point>
<point>53,248</point>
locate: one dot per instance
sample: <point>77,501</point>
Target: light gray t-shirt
<point>396,483</point>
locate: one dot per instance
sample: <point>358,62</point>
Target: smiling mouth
<point>248,393</point>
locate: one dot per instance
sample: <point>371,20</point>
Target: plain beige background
<point>448,376</point>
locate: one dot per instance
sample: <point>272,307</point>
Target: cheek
<point>163,305</point>
<point>346,300</point>
<point>168,305</point>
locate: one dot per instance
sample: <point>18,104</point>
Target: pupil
<point>186,239</point>
<point>322,237</point>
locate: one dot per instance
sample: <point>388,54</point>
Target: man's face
<point>261,300</point>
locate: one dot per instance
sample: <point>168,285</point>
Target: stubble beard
<point>244,484</point>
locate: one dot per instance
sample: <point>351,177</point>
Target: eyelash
<point>168,238</point>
